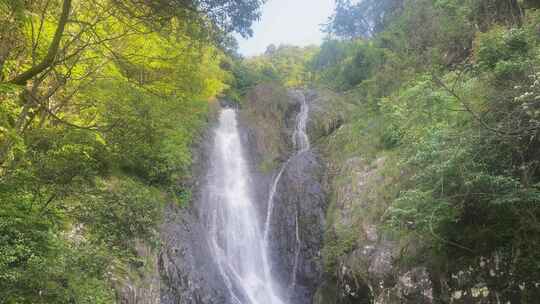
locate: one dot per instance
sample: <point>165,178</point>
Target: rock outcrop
<point>361,257</point>
<point>189,275</point>
<point>296,227</point>
<point>141,285</point>
<point>297,221</point>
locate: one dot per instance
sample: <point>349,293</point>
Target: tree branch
<point>23,78</point>
<point>475,115</point>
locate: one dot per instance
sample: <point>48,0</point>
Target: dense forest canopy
<point>99,104</point>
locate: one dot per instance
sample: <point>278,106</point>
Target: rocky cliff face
<point>361,258</point>
<point>267,121</point>
<point>296,227</point>
<point>364,260</point>
<point>188,273</point>
<point>297,221</point>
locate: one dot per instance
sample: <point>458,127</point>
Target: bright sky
<point>295,22</point>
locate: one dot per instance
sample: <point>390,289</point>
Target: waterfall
<point>270,207</point>
<point>301,144</point>
<point>300,137</point>
<point>296,252</point>
<point>235,237</point>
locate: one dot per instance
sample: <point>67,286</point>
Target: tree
<point>205,16</point>
<point>360,18</point>
<point>49,58</point>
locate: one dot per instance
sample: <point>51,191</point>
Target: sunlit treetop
<point>211,16</point>
<point>354,19</point>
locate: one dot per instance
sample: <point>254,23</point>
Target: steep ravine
<point>304,177</point>
<point>324,227</point>
<point>311,205</point>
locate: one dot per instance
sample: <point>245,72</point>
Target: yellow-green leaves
<point>93,144</point>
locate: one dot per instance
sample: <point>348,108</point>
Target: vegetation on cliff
<point>454,90</point>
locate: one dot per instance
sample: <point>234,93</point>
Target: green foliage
<point>285,65</point>
<point>501,45</point>
<point>38,264</point>
<point>244,78</point>
<point>184,197</point>
<point>119,211</point>
<point>98,139</point>
<point>463,203</point>
<point>212,16</point>
<point>353,19</point>
<point>337,244</point>
<point>450,89</point>
<point>153,136</point>
<point>345,65</point>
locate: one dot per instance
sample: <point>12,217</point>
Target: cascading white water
<point>235,236</point>
<point>301,143</point>
<point>300,137</point>
<point>270,206</point>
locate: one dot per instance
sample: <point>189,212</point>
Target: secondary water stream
<point>301,144</point>
<point>236,235</point>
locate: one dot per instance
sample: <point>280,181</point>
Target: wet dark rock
<point>268,119</point>
<point>327,113</point>
<point>299,200</point>
<point>189,275</point>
